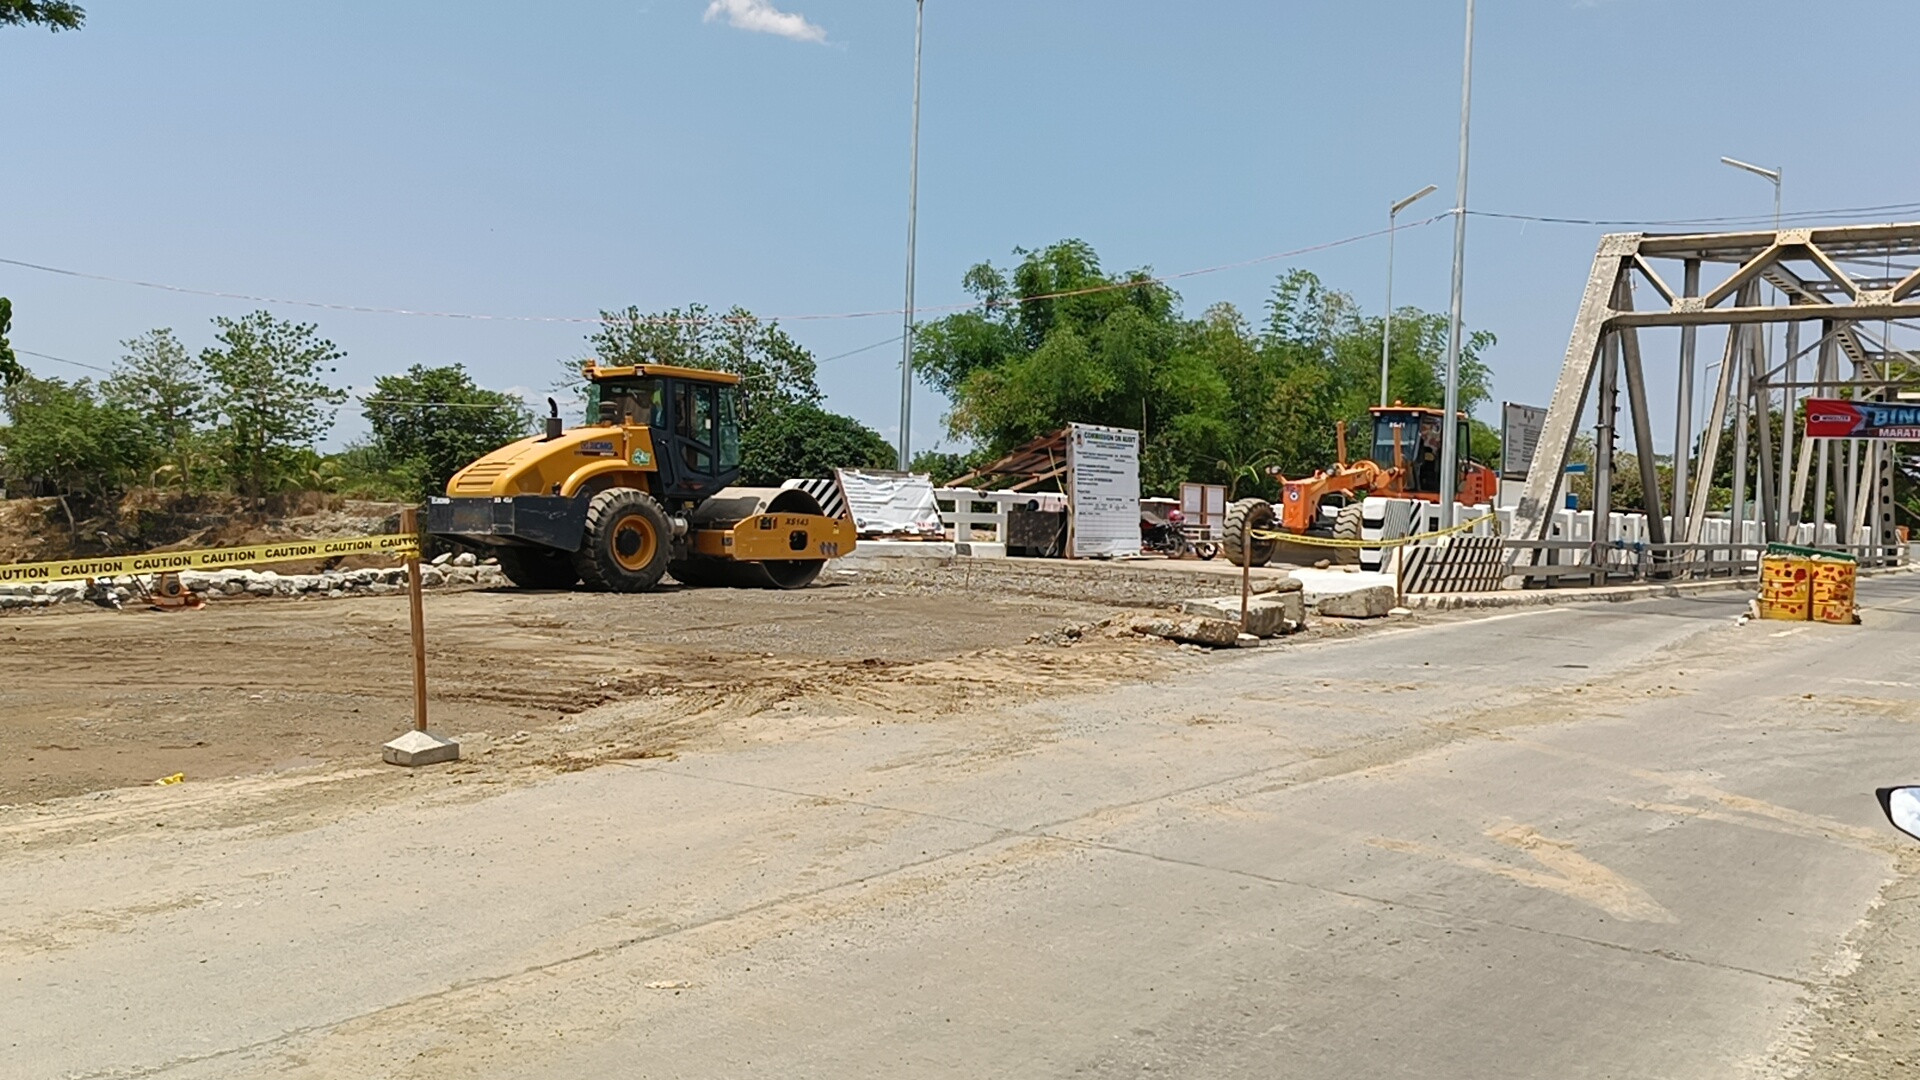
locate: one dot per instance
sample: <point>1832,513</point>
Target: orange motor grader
<point>1408,436</point>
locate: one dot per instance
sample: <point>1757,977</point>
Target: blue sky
<point>554,159</point>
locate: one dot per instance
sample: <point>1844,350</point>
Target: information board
<point>1833,418</point>
<point>1103,490</point>
<point>1520,427</point>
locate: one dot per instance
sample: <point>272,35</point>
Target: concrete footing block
<point>417,748</point>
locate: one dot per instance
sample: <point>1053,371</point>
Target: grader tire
<point>1347,525</point>
<point>626,544</point>
<point>1243,516</point>
<point>538,568</point>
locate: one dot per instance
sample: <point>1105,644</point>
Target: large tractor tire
<point>626,544</point>
<point>1347,525</point>
<point>538,568</point>
<point>1245,516</point>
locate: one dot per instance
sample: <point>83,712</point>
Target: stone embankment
<point>444,571</point>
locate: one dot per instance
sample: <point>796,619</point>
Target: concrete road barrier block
<point>1214,633</point>
<point>1268,614</point>
<point>1373,602</point>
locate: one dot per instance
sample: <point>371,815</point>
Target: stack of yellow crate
<point>1799,584</point>
<point>1833,591</point>
<point>1786,586</point>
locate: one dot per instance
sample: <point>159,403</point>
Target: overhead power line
<point>1134,283</point>
<point>1798,216</point>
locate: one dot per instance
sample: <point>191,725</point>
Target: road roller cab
<point>643,490</point>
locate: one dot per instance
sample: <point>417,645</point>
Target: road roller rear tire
<point>1245,516</point>
<point>626,543</point>
<point>538,568</point>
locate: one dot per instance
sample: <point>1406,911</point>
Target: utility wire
<point>1134,283</point>
<point>63,360</point>
<point>1796,215</point>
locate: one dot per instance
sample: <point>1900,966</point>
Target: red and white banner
<point>1830,418</point>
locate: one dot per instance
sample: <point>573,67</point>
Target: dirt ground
<point>97,700</point>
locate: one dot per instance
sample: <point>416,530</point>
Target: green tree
<point>165,387</point>
<point>1058,340</point>
<point>267,382</point>
<point>941,465</point>
<point>800,439</point>
<point>62,435</point>
<point>10,369</point>
<point>55,15</point>
<point>431,422</point>
<point>774,369</point>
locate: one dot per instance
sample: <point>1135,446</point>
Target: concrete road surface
<point>1625,840</point>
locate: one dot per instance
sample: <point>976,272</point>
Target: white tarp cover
<point>1103,488</point>
<point>887,503</point>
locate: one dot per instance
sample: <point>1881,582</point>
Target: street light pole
<point>1386,327</point>
<point>1449,426</point>
<point>913,221</point>
<point>1786,396</point>
<point>1770,174</point>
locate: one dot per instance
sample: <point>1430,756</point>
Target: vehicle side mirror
<point>609,412</point>
<point>1902,806</point>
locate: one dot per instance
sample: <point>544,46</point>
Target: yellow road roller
<point>643,491</point>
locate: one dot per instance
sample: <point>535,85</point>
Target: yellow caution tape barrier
<point>1398,541</point>
<point>155,562</point>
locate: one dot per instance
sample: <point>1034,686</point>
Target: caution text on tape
<point>156,562</point>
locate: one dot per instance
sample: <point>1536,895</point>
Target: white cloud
<point>761,17</point>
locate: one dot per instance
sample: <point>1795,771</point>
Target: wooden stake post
<point>417,747</point>
<point>410,523</point>
<point>1246,573</point>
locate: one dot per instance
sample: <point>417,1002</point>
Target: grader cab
<point>643,491</point>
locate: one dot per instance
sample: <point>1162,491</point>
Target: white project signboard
<point>1520,427</point>
<point>1103,490</point>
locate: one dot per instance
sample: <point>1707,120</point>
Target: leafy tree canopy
<point>63,435</point>
<point>55,15</point>
<point>161,383</point>
<point>431,422</point>
<point>268,384</point>
<point>10,369</point>
<point>800,439</point>
<point>1058,340</point>
<point>774,369</point>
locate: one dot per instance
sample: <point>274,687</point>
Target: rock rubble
<point>462,569</point>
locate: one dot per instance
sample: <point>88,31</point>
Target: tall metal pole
<point>913,222</point>
<point>1449,426</point>
<point>1386,327</point>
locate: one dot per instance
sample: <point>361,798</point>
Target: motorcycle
<point>1170,538</point>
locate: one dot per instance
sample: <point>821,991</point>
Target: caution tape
<point>1333,542</point>
<point>156,562</point>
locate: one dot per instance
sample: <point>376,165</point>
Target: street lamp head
<point>1411,199</point>
<point>1771,174</point>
